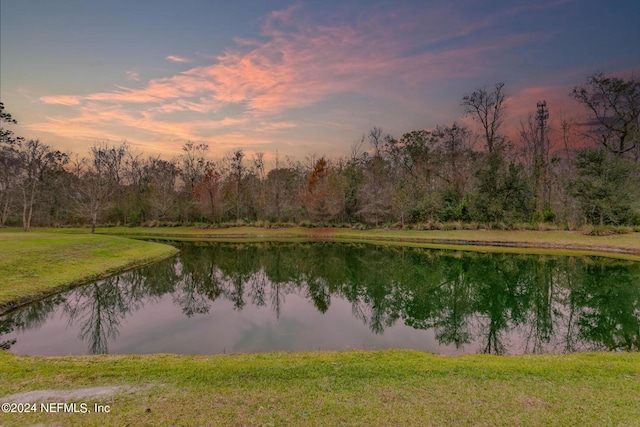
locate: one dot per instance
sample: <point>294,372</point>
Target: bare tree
<point>99,177</point>
<point>162,187</point>
<point>35,160</point>
<point>376,138</point>
<point>192,165</point>
<point>135,191</point>
<point>209,191</point>
<point>614,104</point>
<point>375,194</point>
<point>488,108</point>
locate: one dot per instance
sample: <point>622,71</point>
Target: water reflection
<point>470,302</point>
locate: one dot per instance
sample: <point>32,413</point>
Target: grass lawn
<point>376,388</point>
<point>36,263</point>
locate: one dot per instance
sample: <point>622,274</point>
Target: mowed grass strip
<point>356,388</point>
<point>36,264</point>
<point>624,246</point>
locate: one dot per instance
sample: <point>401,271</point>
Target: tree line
<point>578,173</point>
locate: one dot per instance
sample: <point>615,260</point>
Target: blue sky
<point>296,77</point>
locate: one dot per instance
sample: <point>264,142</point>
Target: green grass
<point>36,264</point>
<point>626,246</point>
<point>378,388</point>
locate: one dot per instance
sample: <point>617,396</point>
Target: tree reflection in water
<point>552,304</point>
<point>99,310</point>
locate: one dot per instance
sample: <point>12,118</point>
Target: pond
<point>243,298</point>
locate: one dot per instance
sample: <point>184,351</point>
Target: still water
<point>232,298</point>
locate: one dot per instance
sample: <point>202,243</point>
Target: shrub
<point>606,230</point>
<point>546,215</point>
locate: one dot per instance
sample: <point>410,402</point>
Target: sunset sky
<point>296,77</point>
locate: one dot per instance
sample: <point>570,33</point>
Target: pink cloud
<point>305,64</point>
<point>383,53</point>
<point>269,126</point>
<point>61,100</point>
<point>75,130</point>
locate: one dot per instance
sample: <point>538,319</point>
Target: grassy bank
<point>625,246</point>
<point>352,388</point>
<point>37,264</point>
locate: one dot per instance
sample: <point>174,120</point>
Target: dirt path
<point>66,395</point>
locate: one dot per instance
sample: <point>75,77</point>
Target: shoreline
<point>66,262</point>
<point>554,243</point>
<point>621,246</point>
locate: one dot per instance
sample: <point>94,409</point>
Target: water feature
<point>228,298</point>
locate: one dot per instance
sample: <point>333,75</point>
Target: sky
<point>292,77</point>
